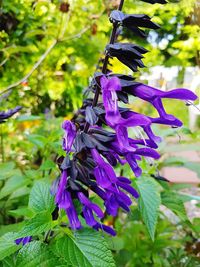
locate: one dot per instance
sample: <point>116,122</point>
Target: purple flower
<point>124,184</point>
<point>69,136</point>
<point>131,159</point>
<point>61,187</point>
<point>109,88</point>
<point>23,240</point>
<point>64,201</point>
<point>154,96</point>
<point>7,114</point>
<point>73,218</point>
<point>176,122</point>
<point>105,228</point>
<point>103,172</point>
<point>88,209</point>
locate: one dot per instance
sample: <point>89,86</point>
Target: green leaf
<point>6,170</point>
<point>193,166</point>
<point>38,140</point>
<point>8,261</point>
<point>13,227</point>
<point>23,211</point>
<point>47,165</point>
<point>7,245</point>
<point>13,184</point>
<point>42,222</point>
<point>40,197</point>
<point>37,254</point>
<point>149,202</point>
<point>174,202</point>
<point>87,249</point>
<point>186,197</point>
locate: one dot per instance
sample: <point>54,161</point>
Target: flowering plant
<point>93,188</point>
<point>97,139</point>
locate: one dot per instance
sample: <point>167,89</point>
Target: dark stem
<point>105,64</point>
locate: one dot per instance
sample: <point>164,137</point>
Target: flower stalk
<point>105,64</point>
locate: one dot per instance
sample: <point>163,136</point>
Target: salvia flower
<point>98,137</point>
<point>109,89</point>
<point>155,96</point>
<point>70,134</point>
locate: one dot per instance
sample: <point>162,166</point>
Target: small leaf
<point>87,249</point>
<point>174,202</point>
<point>6,170</point>
<point>149,202</point>
<point>24,211</point>
<point>38,140</point>
<point>40,197</point>
<point>47,165</point>
<point>42,222</point>
<point>37,254</point>
<point>13,184</point>
<point>7,245</point>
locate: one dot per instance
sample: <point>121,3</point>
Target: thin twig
<point>4,61</point>
<point>32,70</point>
<point>42,58</point>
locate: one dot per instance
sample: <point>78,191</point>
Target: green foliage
<point>87,249</point>
<point>40,198</point>
<point>37,253</point>
<point>32,142</point>
<point>41,223</point>
<point>149,203</point>
<point>7,245</point>
<point>174,202</point>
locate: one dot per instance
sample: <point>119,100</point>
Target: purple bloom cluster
<point>97,138</point>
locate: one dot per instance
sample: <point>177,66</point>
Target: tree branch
<point>42,58</point>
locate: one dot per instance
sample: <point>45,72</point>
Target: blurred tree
<point>49,49</point>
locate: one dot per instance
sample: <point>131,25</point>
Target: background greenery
<point>47,57</point>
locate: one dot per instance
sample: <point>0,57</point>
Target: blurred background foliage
<point>72,38</point>
<point>49,51</point>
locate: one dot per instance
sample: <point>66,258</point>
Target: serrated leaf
<point>7,245</point>
<point>87,249</point>
<point>42,222</point>
<point>8,261</point>
<point>149,202</point>
<point>174,202</point>
<point>40,198</point>
<point>37,254</point>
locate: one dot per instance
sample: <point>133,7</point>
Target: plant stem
<point>105,64</point>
